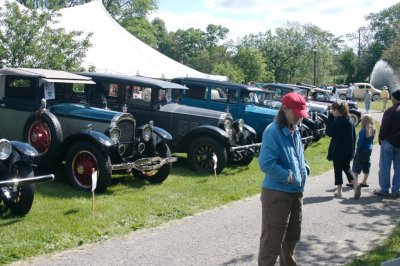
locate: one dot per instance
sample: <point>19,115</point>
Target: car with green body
<point>210,138</point>
<point>47,109</point>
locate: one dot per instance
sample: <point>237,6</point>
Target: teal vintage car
<point>46,108</point>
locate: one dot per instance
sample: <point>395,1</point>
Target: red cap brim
<point>300,113</point>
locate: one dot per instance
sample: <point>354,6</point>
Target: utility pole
<point>315,64</point>
<point>359,43</point>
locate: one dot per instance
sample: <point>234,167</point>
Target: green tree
<point>29,39</point>
<point>384,25</point>
<point>252,64</point>
<point>234,73</point>
<point>194,47</point>
<point>347,66</point>
<point>289,53</point>
<point>118,9</point>
<point>381,32</point>
<point>142,29</point>
<point>392,54</point>
<point>215,34</point>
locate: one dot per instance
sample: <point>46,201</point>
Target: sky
<point>243,17</point>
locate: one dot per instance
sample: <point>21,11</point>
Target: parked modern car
<point>325,97</point>
<point>17,181</point>
<point>359,91</point>
<point>46,109</point>
<point>198,132</point>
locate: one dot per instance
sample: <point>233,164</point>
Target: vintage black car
<point>47,109</point>
<point>199,132</point>
<point>17,181</point>
<point>324,97</point>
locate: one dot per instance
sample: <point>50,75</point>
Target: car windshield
<point>169,95</point>
<point>265,97</point>
<point>249,97</point>
<point>320,96</point>
<point>280,92</point>
<point>63,91</point>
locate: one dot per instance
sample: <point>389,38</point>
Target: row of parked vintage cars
<point>91,122</point>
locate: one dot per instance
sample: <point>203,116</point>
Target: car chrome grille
<point>127,128</point>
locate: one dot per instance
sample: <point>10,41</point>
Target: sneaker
<point>337,194</point>
<point>349,185</point>
<point>379,192</point>
<point>357,192</point>
<point>395,194</point>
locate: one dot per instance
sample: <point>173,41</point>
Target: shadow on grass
<point>182,168</point>
<point>5,214</point>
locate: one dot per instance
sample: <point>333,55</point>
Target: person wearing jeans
<point>281,159</point>
<point>389,139</point>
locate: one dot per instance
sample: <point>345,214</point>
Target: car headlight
<point>228,125</point>
<point>5,149</point>
<point>241,124</point>
<point>115,134</point>
<point>146,133</point>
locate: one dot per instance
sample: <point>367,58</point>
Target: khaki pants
<point>281,227</point>
<point>384,101</point>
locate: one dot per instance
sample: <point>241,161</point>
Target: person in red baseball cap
<point>281,159</point>
<point>297,106</point>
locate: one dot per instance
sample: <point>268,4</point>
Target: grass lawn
<point>389,250</point>
<point>62,218</point>
<point>377,106</point>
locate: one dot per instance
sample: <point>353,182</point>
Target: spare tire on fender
<point>43,131</point>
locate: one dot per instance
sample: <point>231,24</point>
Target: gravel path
<point>334,232</point>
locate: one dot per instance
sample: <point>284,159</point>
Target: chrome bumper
<point>245,147</point>
<point>144,164</point>
<point>26,180</point>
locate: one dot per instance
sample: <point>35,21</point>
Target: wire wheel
<point>40,136</point>
<point>82,168</point>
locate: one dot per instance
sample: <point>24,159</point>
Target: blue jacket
<point>282,154</point>
<point>364,143</point>
<point>343,141</point>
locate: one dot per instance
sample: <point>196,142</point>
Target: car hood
<point>83,111</point>
<point>251,108</point>
<point>349,103</point>
<point>317,107</point>
<point>190,110</point>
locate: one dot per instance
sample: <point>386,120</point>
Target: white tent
<point>115,50</point>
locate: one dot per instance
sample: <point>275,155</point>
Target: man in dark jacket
<point>389,139</point>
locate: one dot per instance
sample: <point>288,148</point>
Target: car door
<point>197,95</point>
<point>359,91</point>
<point>224,99</point>
<point>19,102</point>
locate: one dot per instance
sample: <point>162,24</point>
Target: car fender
<point>163,134</point>
<point>309,123</point>
<point>323,117</point>
<point>249,131</point>
<point>354,111</point>
<point>24,148</point>
<point>97,138</point>
<point>205,130</point>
